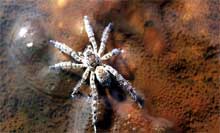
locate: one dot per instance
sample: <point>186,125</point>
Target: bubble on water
<point>30,55</point>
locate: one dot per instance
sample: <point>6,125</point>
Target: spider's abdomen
<point>102,75</point>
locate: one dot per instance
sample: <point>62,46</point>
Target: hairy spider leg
<point>67,50</point>
<point>114,52</point>
<point>90,33</point>
<point>94,96</point>
<point>104,38</point>
<point>125,84</point>
<point>67,65</point>
<point>79,84</point>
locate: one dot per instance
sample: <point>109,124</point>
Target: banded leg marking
<point>66,66</point>
<point>104,38</point>
<point>94,103</point>
<point>90,33</point>
<point>125,84</point>
<point>66,49</point>
<point>110,54</point>
<point>79,84</point>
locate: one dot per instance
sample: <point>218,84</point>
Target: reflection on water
<point>170,54</point>
<point>80,117</point>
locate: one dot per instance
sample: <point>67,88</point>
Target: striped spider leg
<point>125,85</point>
<point>104,38</point>
<point>83,79</point>
<point>90,33</point>
<point>66,49</point>
<point>94,96</point>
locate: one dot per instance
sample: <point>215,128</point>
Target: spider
<point>92,60</point>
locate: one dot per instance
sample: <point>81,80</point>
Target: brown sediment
<point>171,56</point>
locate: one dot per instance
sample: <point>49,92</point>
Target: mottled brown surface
<point>171,57</point>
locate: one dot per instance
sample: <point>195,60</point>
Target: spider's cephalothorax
<point>91,59</point>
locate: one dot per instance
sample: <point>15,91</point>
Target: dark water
<point>171,57</point>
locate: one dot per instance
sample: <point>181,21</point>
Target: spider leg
<point>67,50</point>
<point>94,96</point>
<point>104,38</point>
<point>67,65</point>
<point>90,33</point>
<point>110,54</point>
<point>125,85</point>
<point>79,84</point>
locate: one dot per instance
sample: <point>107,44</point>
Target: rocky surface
<point>171,57</point>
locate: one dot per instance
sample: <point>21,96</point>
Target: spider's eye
<point>89,47</point>
<point>88,53</point>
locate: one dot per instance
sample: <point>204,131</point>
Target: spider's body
<point>91,59</point>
